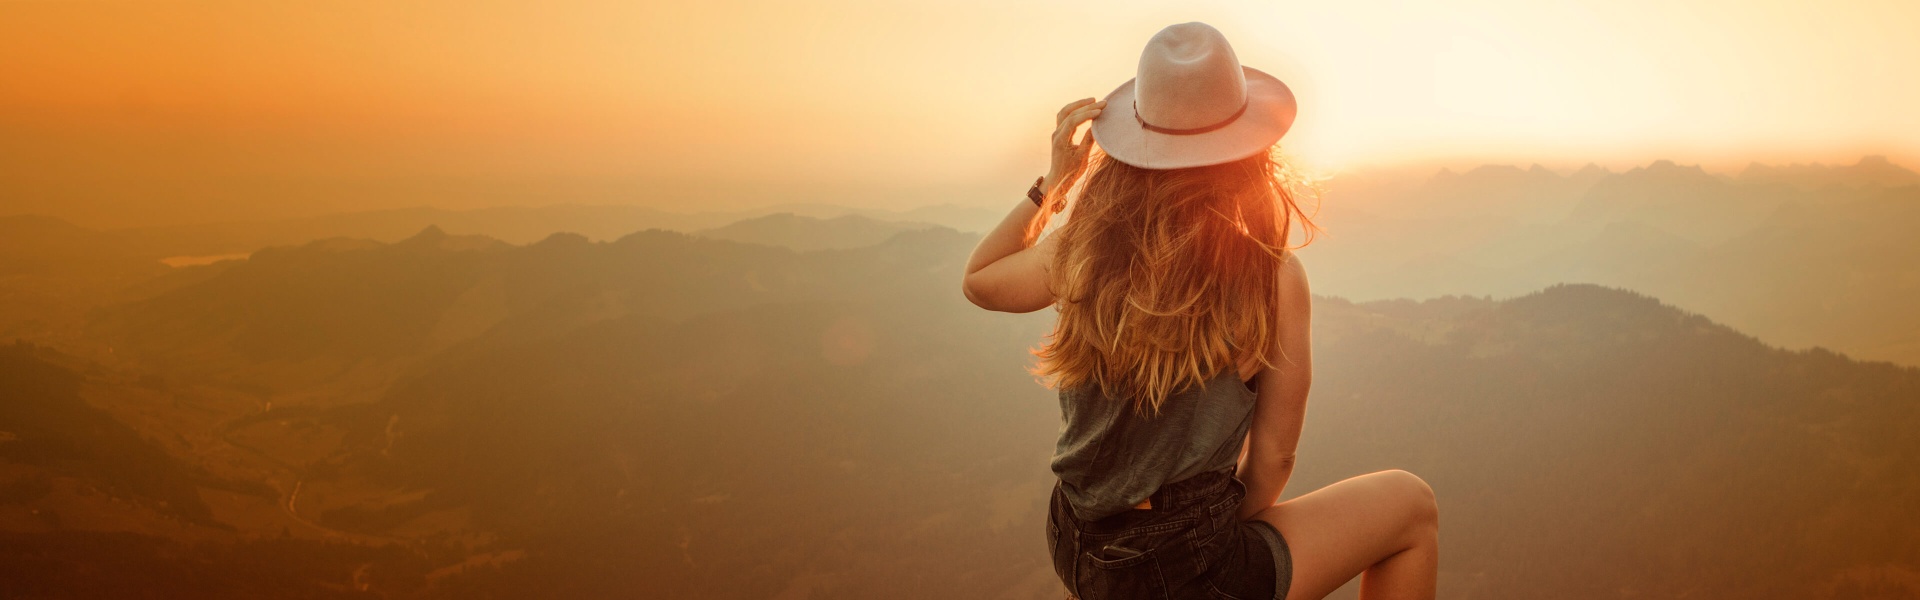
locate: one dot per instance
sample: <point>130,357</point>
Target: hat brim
<point>1270,112</point>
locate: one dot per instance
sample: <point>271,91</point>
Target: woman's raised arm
<point>1008,270</point>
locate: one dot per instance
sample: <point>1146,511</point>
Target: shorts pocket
<point>1122,572</point>
<point>1221,521</point>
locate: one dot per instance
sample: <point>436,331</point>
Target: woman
<point>1182,352</point>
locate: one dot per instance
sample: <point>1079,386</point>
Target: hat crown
<point>1191,103</point>
<point>1189,77</point>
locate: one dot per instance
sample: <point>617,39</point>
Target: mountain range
<point>673,415</point>
<point>1801,255</point>
<point>803,406</point>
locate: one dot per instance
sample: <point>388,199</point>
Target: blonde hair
<point>1167,277</point>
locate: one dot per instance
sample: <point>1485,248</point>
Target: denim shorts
<point>1191,544</point>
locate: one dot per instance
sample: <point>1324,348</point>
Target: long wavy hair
<point>1167,277</point>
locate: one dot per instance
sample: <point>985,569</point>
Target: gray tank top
<point>1109,459</point>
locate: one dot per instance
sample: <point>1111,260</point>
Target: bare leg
<point>1384,525</point>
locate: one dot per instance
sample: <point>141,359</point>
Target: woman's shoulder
<point>1290,263</point>
<point>1293,273</point>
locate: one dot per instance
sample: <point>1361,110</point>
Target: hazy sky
<point>114,113</point>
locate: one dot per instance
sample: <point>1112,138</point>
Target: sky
<point>118,114</point>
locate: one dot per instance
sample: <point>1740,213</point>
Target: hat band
<point>1194,131</point>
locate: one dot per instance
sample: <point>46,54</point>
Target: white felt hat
<point>1191,104</point>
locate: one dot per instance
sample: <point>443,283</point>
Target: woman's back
<point>1109,458</point>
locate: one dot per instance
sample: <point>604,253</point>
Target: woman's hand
<point>1069,158</point>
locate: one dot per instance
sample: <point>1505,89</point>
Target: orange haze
<point>118,113</point>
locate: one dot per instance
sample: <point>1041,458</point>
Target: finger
<point>1080,117</point>
<point>1086,141</point>
<point>1092,107</point>
<point>1069,108</point>
<point>1083,108</point>
<point>1083,115</point>
<point>1063,133</point>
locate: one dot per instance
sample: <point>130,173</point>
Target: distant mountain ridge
<point>1870,171</point>
<point>1670,230</point>
<point>1800,262</point>
<point>511,224</point>
<point>788,230</point>
<point>345,301</point>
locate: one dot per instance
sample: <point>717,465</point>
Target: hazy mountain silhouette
<point>52,270</point>
<point>37,245</point>
<point>788,230</point>
<point>1869,171</point>
<point>1681,200</point>
<point>1502,192</point>
<point>1821,265</point>
<point>1841,274</point>
<point>342,304</point>
<point>1664,229</point>
<point>334,302</point>
<point>511,224</point>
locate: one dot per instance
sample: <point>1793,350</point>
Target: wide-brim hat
<point>1191,103</point>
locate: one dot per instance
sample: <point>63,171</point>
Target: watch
<point>1033,193</point>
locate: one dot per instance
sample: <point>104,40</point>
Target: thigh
<point>1336,532</point>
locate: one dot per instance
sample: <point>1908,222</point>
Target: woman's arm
<point>1280,406</point>
<point>1008,270</point>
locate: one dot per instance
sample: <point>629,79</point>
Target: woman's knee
<point>1422,509</point>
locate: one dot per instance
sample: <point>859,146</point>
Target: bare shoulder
<point>1293,279</point>
<point>1292,305</point>
<point>1296,320</point>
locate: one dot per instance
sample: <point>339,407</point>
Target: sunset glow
<point>122,112</point>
